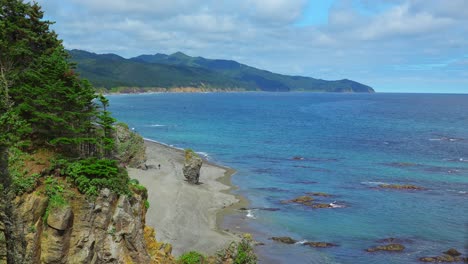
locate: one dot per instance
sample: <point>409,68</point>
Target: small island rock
<point>389,247</point>
<point>192,166</point>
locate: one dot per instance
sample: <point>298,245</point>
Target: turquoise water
<point>349,144</point>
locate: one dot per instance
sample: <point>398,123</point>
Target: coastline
<point>187,216</point>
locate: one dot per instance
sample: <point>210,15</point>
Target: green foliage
<point>22,180</point>
<point>32,229</point>
<point>245,254</point>
<point>147,204</point>
<point>191,257</point>
<point>189,153</point>
<point>106,121</point>
<point>111,231</point>
<point>239,252</point>
<point>56,192</point>
<point>91,175</point>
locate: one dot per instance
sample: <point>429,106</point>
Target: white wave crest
<point>250,214</point>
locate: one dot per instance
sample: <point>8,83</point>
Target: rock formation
<point>451,255</point>
<point>285,240</point>
<point>390,247</point>
<point>109,229</point>
<point>192,166</point>
<point>129,147</point>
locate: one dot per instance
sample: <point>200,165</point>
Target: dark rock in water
<point>319,194</point>
<point>298,158</point>
<point>260,208</point>
<point>390,247</point>
<point>443,258</point>
<point>452,252</point>
<point>401,164</point>
<point>192,166</point>
<point>392,240</point>
<point>306,182</point>
<point>321,205</point>
<point>305,200</point>
<point>320,244</point>
<point>401,186</point>
<point>285,240</point>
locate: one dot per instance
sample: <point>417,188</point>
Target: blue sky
<point>391,45</point>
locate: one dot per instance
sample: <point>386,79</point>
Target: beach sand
<point>185,215</point>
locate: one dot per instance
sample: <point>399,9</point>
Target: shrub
<point>91,175</point>
<point>56,192</point>
<point>22,180</point>
<point>191,257</point>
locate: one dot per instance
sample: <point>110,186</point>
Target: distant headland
<point>182,73</point>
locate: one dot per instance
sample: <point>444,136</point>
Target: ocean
<point>284,145</point>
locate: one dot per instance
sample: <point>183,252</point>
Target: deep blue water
<point>350,143</point>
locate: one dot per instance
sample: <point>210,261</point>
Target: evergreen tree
<point>48,95</point>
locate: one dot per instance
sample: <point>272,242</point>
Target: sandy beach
<point>185,215</point>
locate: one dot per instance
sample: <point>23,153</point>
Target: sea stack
<point>192,166</point>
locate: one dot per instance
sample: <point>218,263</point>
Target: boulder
<point>390,247</point>
<point>285,240</point>
<point>192,166</point>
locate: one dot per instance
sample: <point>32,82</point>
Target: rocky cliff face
<point>110,229</point>
<point>129,147</point>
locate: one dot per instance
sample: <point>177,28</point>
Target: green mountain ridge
<point>180,70</point>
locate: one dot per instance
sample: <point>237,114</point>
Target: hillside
<point>181,70</point>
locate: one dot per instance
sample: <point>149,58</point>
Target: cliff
<point>39,226</point>
<point>110,229</point>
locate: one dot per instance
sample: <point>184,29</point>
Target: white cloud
<point>362,40</point>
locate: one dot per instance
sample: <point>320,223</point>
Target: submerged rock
<point>390,247</point>
<point>320,244</point>
<point>322,194</point>
<point>285,240</point>
<point>401,186</point>
<point>298,158</point>
<point>321,205</point>
<point>452,252</point>
<point>305,200</point>
<point>192,166</point>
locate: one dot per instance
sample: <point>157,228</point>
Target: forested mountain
<point>181,70</point>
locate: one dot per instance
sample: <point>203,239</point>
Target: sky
<point>391,45</point>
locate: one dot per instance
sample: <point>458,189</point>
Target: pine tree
<point>48,95</point>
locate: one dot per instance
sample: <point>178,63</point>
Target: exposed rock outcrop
<point>451,255</point>
<point>110,229</point>
<point>285,240</point>
<point>192,166</point>
<point>130,149</point>
<point>390,247</point>
<point>320,244</point>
